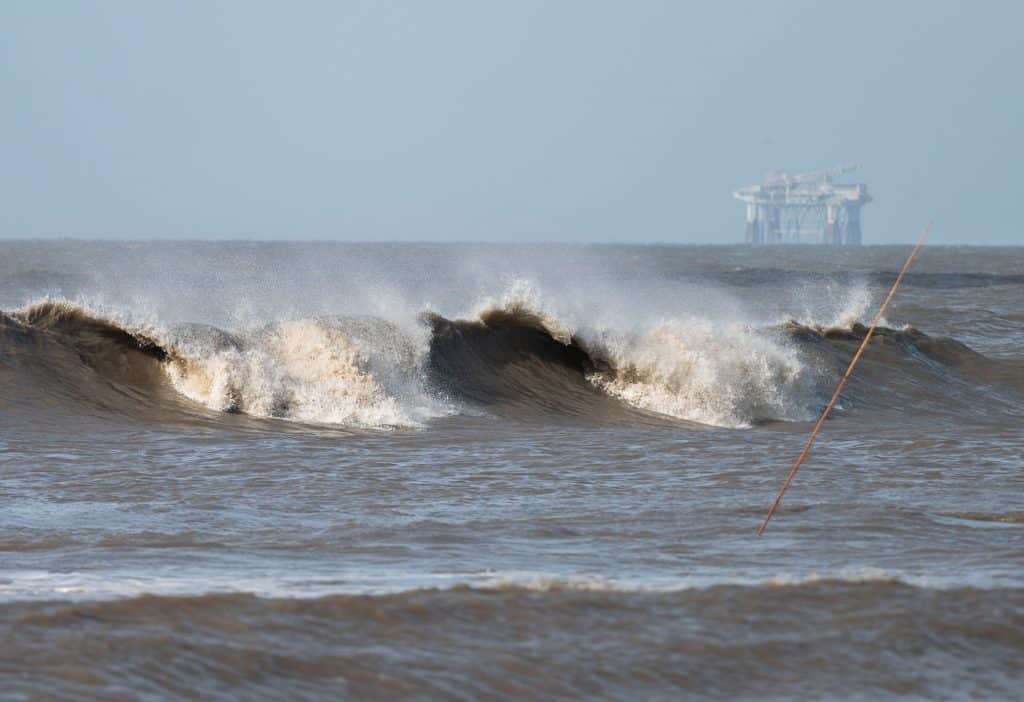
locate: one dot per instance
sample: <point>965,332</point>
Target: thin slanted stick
<point>842,382</point>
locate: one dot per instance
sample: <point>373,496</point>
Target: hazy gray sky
<point>516,120</point>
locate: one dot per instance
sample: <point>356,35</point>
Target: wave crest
<point>721,375</point>
<point>351,372</point>
<point>515,359</point>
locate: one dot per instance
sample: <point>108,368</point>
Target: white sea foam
<point>524,298</point>
<point>21,585</point>
<point>351,372</point>
<point>714,373</point>
<point>853,305</point>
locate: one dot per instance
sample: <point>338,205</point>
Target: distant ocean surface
<point>314,471</point>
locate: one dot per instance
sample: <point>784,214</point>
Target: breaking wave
<point>724,376</point>
<point>357,372</point>
<point>347,371</point>
<point>513,359</point>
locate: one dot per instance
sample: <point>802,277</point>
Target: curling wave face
<point>347,371</point>
<point>511,361</point>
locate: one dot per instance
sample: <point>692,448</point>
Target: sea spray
<point>356,372</point>
<point>724,375</point>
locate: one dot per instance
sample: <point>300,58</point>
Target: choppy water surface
<point>312,471</point>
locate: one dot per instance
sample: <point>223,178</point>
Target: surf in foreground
<point>812,641</point>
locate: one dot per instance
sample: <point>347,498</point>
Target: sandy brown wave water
<point>243,471</point>
<point>818,640</point>
<point>509,362</point>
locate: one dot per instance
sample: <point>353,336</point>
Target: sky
<point>521,120</point>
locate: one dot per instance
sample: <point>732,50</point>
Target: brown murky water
<point>322,471</point>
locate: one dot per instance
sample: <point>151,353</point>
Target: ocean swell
<point>512,359</point>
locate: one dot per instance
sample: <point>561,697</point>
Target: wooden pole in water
<point>842,382</point>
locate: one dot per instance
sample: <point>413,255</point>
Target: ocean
<point>320,471</point>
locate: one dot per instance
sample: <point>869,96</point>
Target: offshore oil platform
<point>804,208</point>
